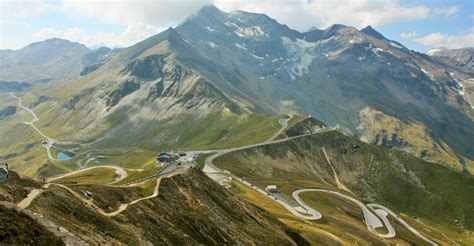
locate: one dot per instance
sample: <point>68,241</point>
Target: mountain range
<point>243,62</point>
<point>223,80</point>
<point>52,59</point>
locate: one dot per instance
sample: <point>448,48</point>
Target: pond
<point>63,156</point>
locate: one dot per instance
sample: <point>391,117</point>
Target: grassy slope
<point>446,194</point>
<point>93,176</point>
<point>18,229</point>
<point>176,215</point>
<point>229,130</point>
<point>416,134</point>
<point>321,232</point>
<point>216,130</point>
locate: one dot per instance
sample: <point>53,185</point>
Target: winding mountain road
<point>380,208</point>
<point>50,141</point>
<point>303,211</point>
<point>209,167</point>
<point>31,196</point>
<point>371,220</point>
<point>284,124</point>
<point>307,212</point>
<point>119,170</point>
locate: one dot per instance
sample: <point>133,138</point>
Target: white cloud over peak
<point>130,11</point>
<point>303,14</point>
<point>299,14</point>
<point>143,17</point>
<point>438,39</point>
<point>132,34</point>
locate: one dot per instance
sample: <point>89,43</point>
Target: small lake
<point>63,156</point>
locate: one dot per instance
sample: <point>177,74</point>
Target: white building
<point>271,188</point>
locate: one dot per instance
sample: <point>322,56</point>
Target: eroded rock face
<point>391,140</point>
<point>305,126</point>
<point>148,68</point>
<point>384,130</point>
<point>113,97</point>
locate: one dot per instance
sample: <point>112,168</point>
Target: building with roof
<point>271,188</point>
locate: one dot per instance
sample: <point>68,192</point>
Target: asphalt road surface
<point>304,211</point>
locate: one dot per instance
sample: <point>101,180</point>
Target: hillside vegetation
<point>396,179</point>
<point>190,209</point>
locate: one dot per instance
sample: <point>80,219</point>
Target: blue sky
<point>419,25</point>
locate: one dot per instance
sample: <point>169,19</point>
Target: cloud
<point>447,12</point>
<point>23,9</point>
<point>299,14</point>
<point>46,32</point>
<point>408,35</point>
<point>130,11</point>
<point>303,14</point>
<point>437,39</point>
<point>132,34</point>
<point>152,15</point>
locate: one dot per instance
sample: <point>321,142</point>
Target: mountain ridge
<point>242,62</point>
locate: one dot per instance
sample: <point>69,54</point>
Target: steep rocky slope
<point>460,65</point>
<point>331,74</point>
<point>190,209</point>
<point>18,229</point>
<point>216,66</point>
<point>457,57</point>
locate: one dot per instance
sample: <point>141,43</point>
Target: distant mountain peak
<point>55,43</point>
<point>369,30</point>
<point>313,29</point>
<point>210,9</point>
<point>333,29</point>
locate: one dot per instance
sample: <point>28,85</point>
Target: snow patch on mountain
<point>432,52</point>
<point>257,57</point>
<point>396,45</point>
<point>212,45</point>
<point>377,50</point>
<point>337,52</point>
<point>355,40</point>
<point>240,46</point>
<point>246,32</point>
<point>458,88</point>
<point>301,53</point>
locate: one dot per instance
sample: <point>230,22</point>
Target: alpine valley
<point>267,135</point>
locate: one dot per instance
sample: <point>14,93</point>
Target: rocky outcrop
<point>394,140</point>
<point>113,97</point>
<point>148,68</point>
<point>304,126</point>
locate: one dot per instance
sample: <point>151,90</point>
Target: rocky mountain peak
<point>369,30</point>
<point>463,57</point>
<point>336,28</point>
